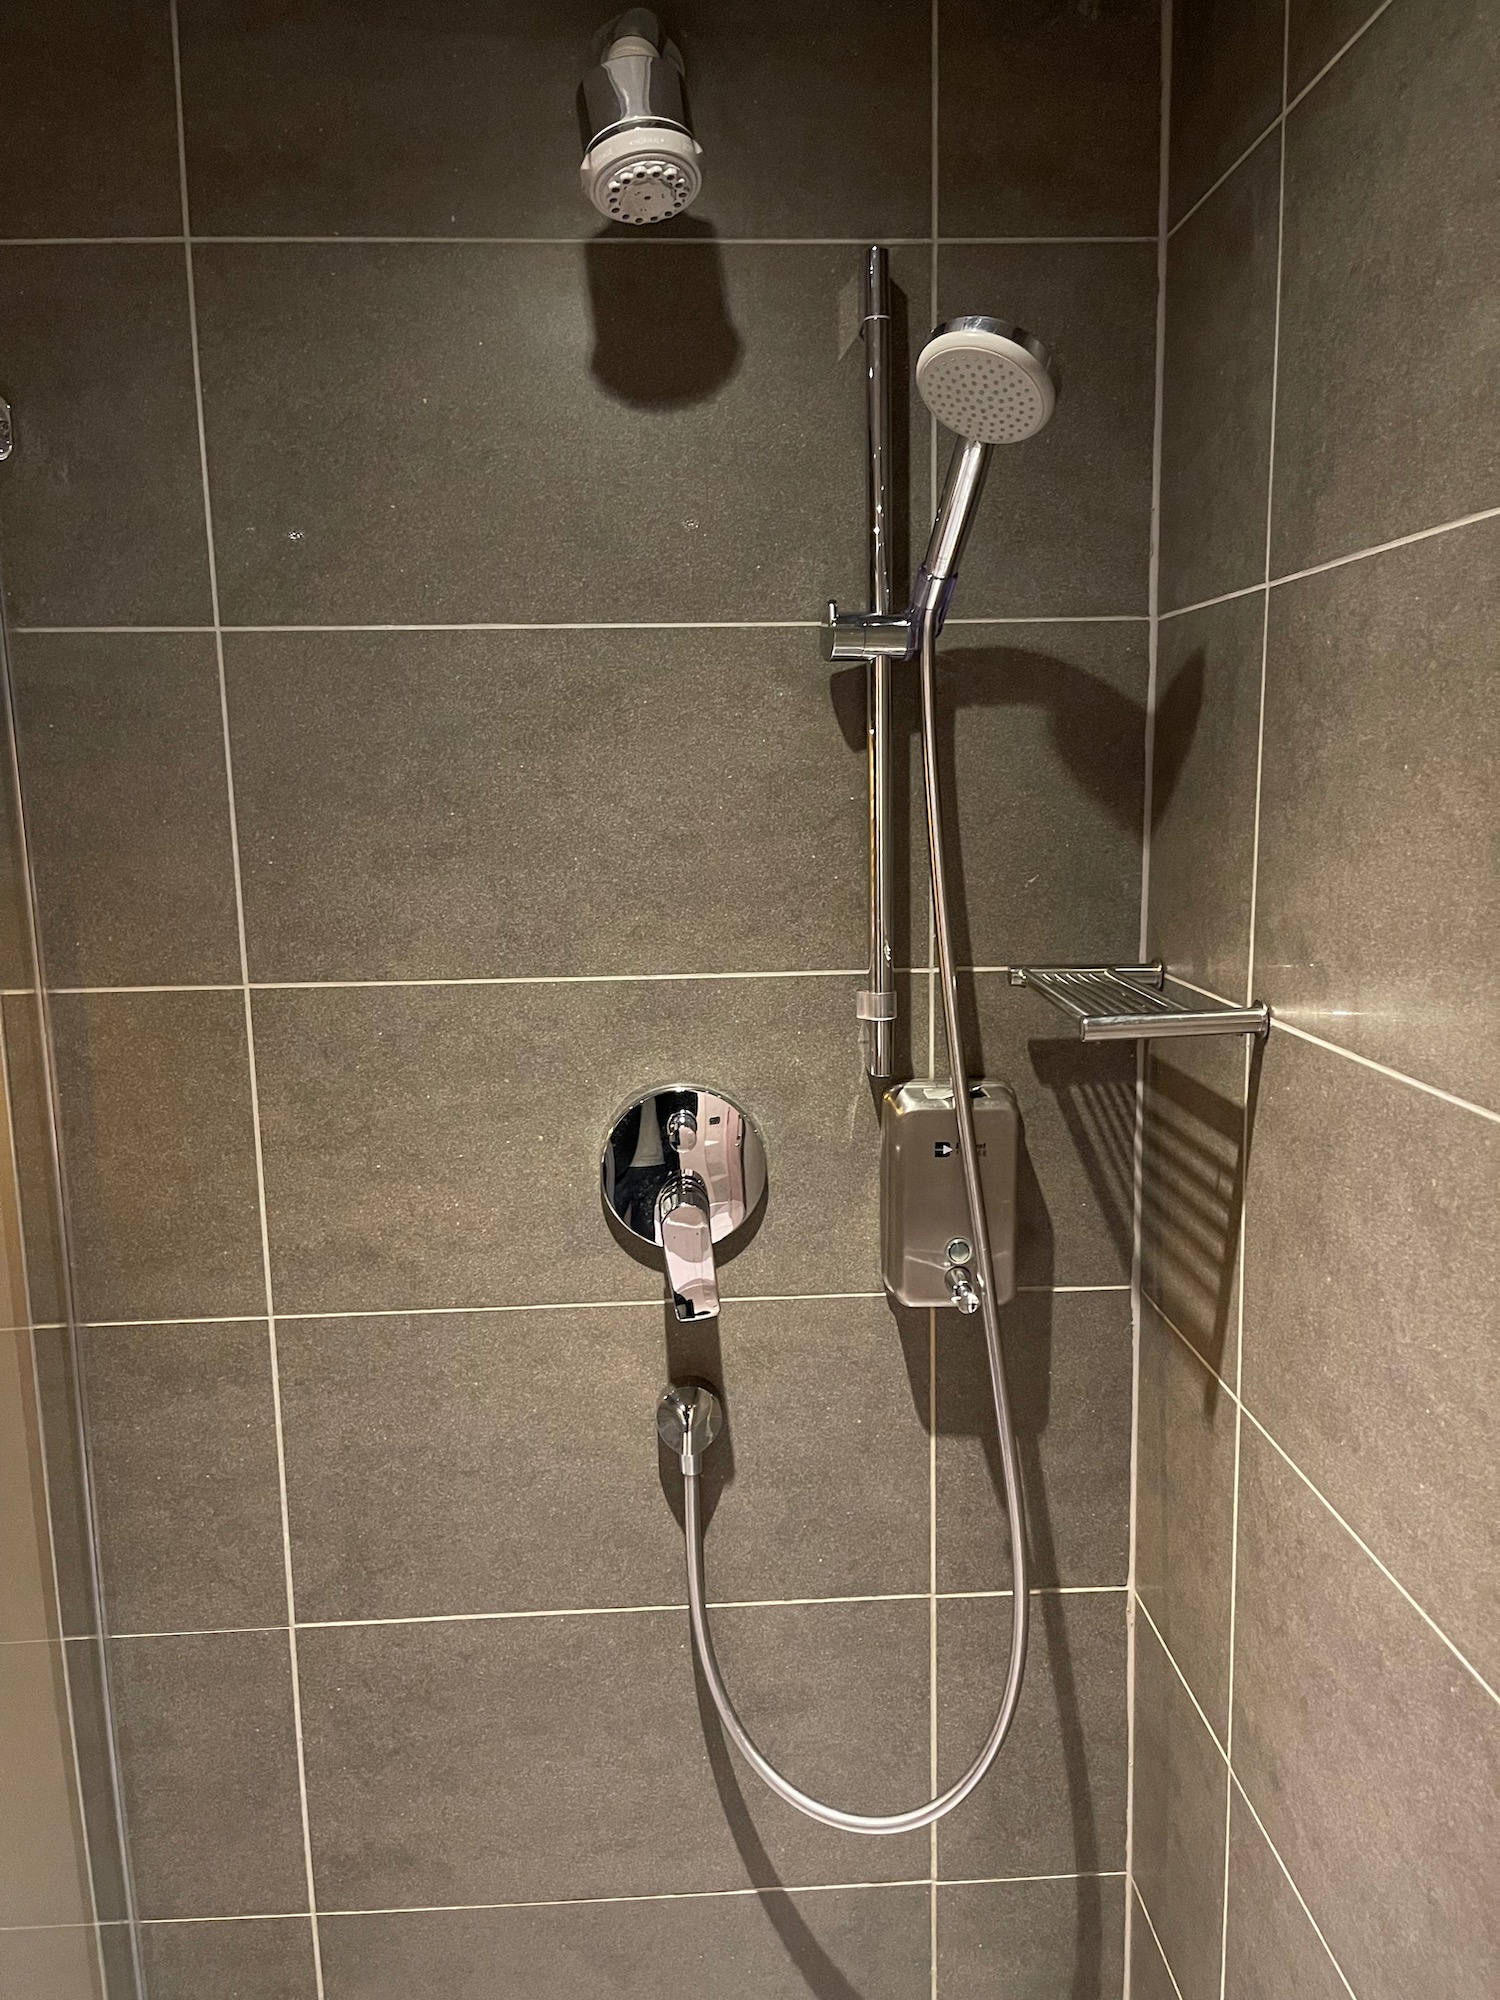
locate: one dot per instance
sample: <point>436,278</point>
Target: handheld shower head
<point>993,384</point>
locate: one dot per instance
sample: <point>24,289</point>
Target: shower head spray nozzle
<point>640,161</point>
<point>991,382</point>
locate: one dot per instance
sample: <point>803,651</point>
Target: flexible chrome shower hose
<point>956,1793</point>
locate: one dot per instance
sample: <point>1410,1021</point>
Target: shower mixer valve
<point>683,1168</point>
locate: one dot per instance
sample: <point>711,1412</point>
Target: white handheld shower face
<point>991,382</point>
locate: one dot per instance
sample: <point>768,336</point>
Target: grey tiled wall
<point>424,747</point>
<point>1316,1732</point>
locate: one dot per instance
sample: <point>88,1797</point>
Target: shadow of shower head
<point>991,382</point>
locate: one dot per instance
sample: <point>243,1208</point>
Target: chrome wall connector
<point>688,1419</point>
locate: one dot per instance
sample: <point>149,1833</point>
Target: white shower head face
<point>988,382</point>
<point>645,174</point>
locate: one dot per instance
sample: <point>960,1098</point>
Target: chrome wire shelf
<point>1124,1003</point>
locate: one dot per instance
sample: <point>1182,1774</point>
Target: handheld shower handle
<point>956,510</point>
<point>683,1218</point>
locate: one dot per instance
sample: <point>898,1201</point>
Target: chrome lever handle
<point>688,1246</point>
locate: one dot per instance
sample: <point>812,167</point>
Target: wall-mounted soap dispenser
<point>926,1247</point>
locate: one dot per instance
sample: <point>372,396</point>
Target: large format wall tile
<point>1042,745</point>
<point>1056,1802</point>
<point>440,1146</point>
<point>1066,522</point>
<point>122,760</point>
<point>154,1092</point>
<point>1390,313</point>
<point>1378,862</point>
<point>1068,1363</point>
<point>1179,1805</point>
<point>1270,1946</point>
<point>1371,1754</point>
<point>210,1773</point>
<point>1031,1940</point>
<point>448,804</point>
<point>627,430</point>
<point>1203,777</point>
<point>438,1465</point>
<point>1049,119</point>
<point>182,1442</point>
<point>1184,1555</point>
<point>1216,391</point>
<point>1371,1273</point>
<point>870,1942</point>
<point>1226,87</point>
<point>389,121</point>
<point>88,145</point>
<point>264,1959</point>
<point>101,506</point>
<point>524,1759</point>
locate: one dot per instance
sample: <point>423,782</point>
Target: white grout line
<point>1280,1025</point>
<point>608,1611</point>
<point>530,1306</point>
<point>1384,1069</point>
<point>1338,56</point>
<point>1209,192</point>
<point>1339,562</point>
<point>1156,1939</point>
<point>517,979</point>
<point>551,625</point>
<point>553,242</point>
<point>1145,1611</point>
<point>1276,1856</point>
<point>255,1123</point>
<point>586,1902</point>
<point>933,1858</point>
<point>1208,603</point>
<point>80,242</point>
<point>1353,1534</point>
<point>1383,548</point>
<point>567,625</point>
<point>1138,1131</point>
<point>1250,1053</point>
<point>1058,618</point>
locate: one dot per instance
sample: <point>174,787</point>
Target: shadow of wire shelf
<point>1125,1003</point>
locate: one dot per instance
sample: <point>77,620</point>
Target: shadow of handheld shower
<point>823,1979</point>
<point>663,338</point>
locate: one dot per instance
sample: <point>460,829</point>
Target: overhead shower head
<point>640,161</point>
<point>989,381</point>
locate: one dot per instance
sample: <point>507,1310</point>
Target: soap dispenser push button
<point>926,1232</point>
